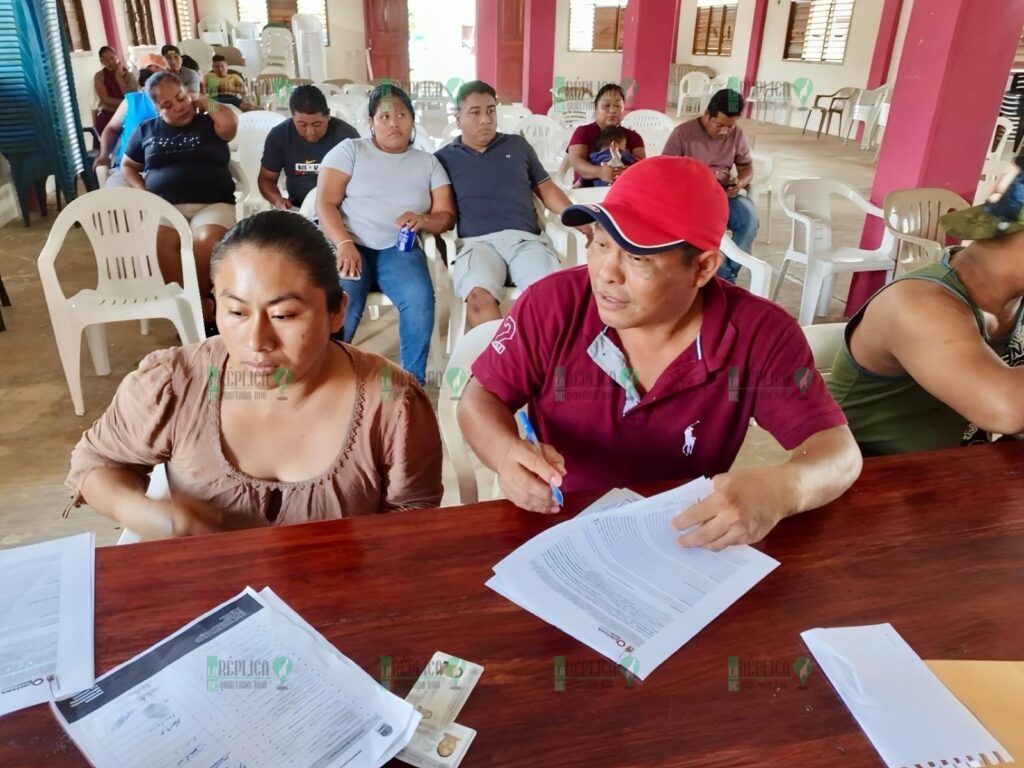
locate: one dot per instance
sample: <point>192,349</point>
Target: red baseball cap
<point>659,204</point>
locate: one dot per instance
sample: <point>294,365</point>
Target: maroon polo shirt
<point>554,355</point>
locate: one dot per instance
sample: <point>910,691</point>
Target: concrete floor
<point>38,427</point>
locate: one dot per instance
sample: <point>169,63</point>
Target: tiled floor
<point>38,427</point>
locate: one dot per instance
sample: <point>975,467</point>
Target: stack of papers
<point>246,684</point>
<point>46,615</point>
<point>617,580</point>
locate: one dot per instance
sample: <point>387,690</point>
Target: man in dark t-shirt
<point>298,145</point>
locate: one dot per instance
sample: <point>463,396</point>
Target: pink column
<point>487,41</point>
<point>946,96</point>
<point>649,29</point>
<point>110,26</point>
<point>756,41</point>
<point>885,42</point>
<point>165,20</point>
<point>538,54</point>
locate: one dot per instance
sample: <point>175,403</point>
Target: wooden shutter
<point>700,32</point>
<point>183,19</point>
<point>606,28</point>
<point>72,19</point>
<point>818,30</point>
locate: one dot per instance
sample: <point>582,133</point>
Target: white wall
<point>591,68</point>
<point>901,37</point>
<point>732,65</point>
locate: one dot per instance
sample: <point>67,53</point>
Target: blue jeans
<point>403,277</point>
<point>743,222</point>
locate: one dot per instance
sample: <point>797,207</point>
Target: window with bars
<point>140,22</point>
<point>183,19</point>
<point>596,25</point>
<point>818,30</point>
<point>713,32</point>
<point>72,20</point>
<point>280,12</point>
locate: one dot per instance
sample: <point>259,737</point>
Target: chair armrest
<point>932,248</point>
<point>760,271</point>
<point>799,218</point>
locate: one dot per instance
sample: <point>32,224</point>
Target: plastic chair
<point>453,383</point>
<point>825,341</point>
<point>866,107</point>
<point>760,270</point>
<point>880,122</point>
<point>693,86</point>
<point>216,30</point>
<point>253,128</point>
<point>245,30</point>
<point>776,97</point>
<point>432,115</point>
<point>828,104</point>
<point>807,202</point>
<point>547,137</point>
<point>448,134</point>
<point>764,169</point>
<point>570,119</point>
<point>647,118</point>
<point>584,195</point>
<point>200,50</point>
<point>358,89</point>
<point>654,139</point>
<point>509,116</point>
<point>277,51</point>
<point>329,89</point>
<point>121,225</point>
<point>912,217</point>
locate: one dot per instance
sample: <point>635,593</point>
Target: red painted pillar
<point>647,53</point>
<point>487,41</point>
<point>165,20</point>
<point>110,26</point>
<point>538,54</point>
<point>946,95</point>
<point>878,75</point>
<point>756,41</point>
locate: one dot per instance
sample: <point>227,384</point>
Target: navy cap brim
<point>587,213</point>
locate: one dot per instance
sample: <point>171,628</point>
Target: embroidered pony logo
<point>690,439</point>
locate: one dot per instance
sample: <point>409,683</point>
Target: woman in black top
<point>184,153</point>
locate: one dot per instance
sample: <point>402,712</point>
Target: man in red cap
<point>644,367</point>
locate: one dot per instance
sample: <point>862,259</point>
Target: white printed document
<point>247,685</point>
<point>617,580</point>
<point>46,620</point>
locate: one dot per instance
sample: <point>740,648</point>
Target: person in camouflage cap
<point>936,358</point>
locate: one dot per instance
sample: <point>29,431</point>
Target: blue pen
<point>531,435</point>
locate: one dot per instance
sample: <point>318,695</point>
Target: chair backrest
<point>824,341</point>
<point>432,114</point>
<point>718,83</point>
<point>200,50</point>
<point>916,213</point>
<point>509,116</point>
<point>215,30</point>
<point>647,118</point>
<point>232,55</point>
<point>308,207</point>
<point>245,30</point>
<point>277,50</point>
<point>583,195</point>
<point>654,139</point>
<point>694,84</point>
<point>253,128</point>
<point>1000,138</point>
<point>571,118</point>
<point>358,89</point>
<point>329,89</point>
<point>121,224</point>
<point>872,98</point>
<point>547,137</point>
<point>453,383</point>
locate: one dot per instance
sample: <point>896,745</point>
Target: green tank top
<point>894,414</point>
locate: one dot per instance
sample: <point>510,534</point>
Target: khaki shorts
<point>202,214</point>
<point>494,261</point>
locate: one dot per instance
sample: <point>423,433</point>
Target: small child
<point>611,150</point>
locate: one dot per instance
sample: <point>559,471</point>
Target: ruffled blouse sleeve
<point>136,432</point>
<point>411,453</point>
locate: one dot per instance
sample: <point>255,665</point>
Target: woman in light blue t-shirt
<point>368,190</point>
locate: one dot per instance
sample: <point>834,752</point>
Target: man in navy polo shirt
<point>494,177</point>
<point>644,367</point>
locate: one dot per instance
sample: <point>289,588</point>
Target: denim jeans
<point>403,277</point>
<point>743,222</point>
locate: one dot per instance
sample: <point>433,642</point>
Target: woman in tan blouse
<point>271,422</point>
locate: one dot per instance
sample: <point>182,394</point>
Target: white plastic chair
<point>825,340</point>
<point>351,108</point>
<point>244,30</point>
<point>547,137</point>
<point>448,134</point>
<point>912,216</point>
<point>994,160</point>
<point>584,195</point>
<point>121,225</point>
<point>509,116</point>
<point>761,186</point>
<point>654,139</point>
<point>718,83</point>
<point>693,87</point>
<point>277,51</point>
<point>865,111</point>
<point>432,115</point>
<point>329,89</point>
<point>880,122</point>
<point>760,270</point>
<point>647,118</point>
<point>135,52</point>
<point>807,202</point>
<point>216,30</point>
<point>201,51</point>
<point>453,383</point>
<point>358,89</point>
<point>253,128</point>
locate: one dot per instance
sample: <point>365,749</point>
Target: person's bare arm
<point>554,199</point>
<point>132,173</point>
<point>640,153</point>
<point>933,336</point>
<point>110,136</point>
<point>748,503</point>
<point>225,121</point>
<point>267,182</point>
<point>524,474</point>
<point>330,192</point>
<point>106,100</point>
<point>440,218</point>
<point>585,169</point>
<point>744,175</point>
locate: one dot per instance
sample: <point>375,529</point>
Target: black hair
<point>608,88</point>
<point>474,86</point>
<point>104,49</point>
<point>190,63</point>
<point>168,48</point>
<point>608,135</point>
<point>388,91</point>
<point>309,100</point>
<point>218,57</point>
<point>294,237</point>
<point>145,74</point>
<point>726,101</point>
<point>159,77</point>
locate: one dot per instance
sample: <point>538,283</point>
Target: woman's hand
<point>412,221</point>
<point>609,173</point>
<point>191,517</point>
<point>350,261</point>
<point>101,159</point>
<point>200,102</point>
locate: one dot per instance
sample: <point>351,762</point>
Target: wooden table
<point>931,542</point>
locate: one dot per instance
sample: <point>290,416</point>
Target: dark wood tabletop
<point>931,542</point>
